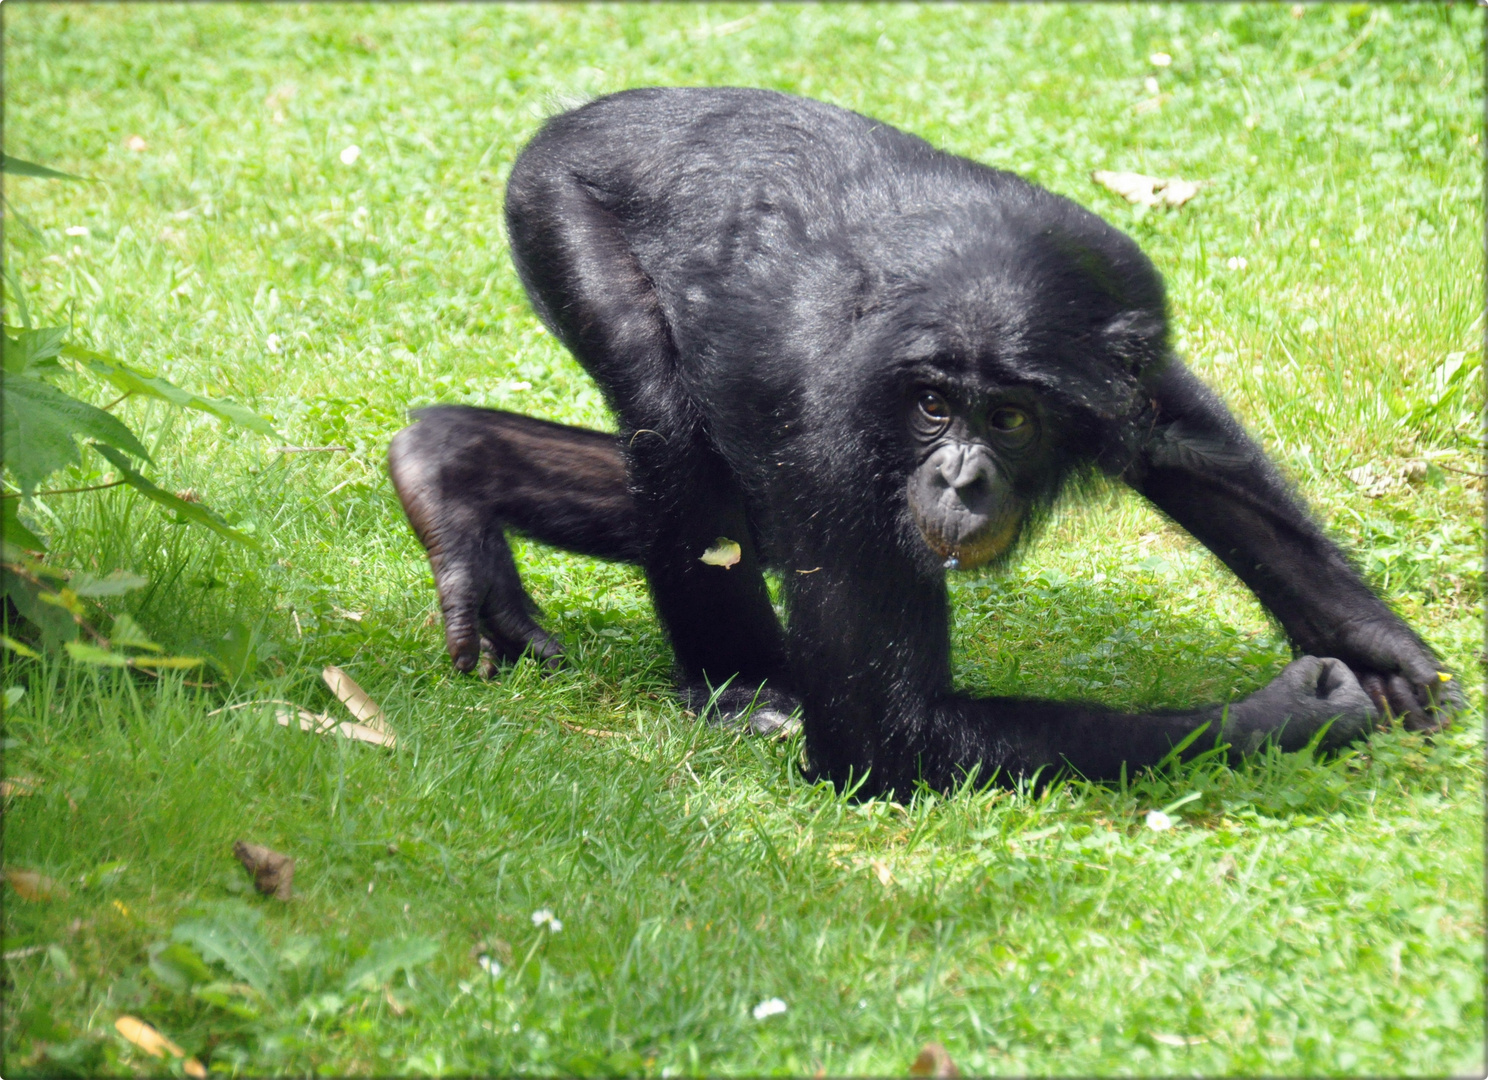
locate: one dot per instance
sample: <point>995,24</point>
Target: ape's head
<point>980,460</point>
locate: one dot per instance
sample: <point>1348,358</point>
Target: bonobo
<point>864,361</point>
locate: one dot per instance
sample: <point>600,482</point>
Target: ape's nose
<point>965,465</point>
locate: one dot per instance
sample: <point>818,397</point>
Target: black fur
<point>762,285</point>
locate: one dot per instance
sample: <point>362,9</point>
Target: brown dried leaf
<point>724,553</point>
<point>17,786</point>
<point>934,1060</point>
<point>273,873</point>
<point>882,872</point>
<point>357,701</point>
<point>29,885</point>
<point>157,1045</point>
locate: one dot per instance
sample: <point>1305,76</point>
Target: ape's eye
<point>934,406</point>
<point>1009,419</point>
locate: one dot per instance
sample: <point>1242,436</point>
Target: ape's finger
<point>1374,685</point>
<point>1404,702</point>
<point>461,624</point>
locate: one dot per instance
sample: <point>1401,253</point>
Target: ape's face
<point>964,491</point>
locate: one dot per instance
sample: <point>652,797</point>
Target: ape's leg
<point>1204,471</point>
<point>589,288</point>
<point>465,475</point>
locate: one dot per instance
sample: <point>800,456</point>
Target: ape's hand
<point>1400,674</point>
<point>1309,693</point>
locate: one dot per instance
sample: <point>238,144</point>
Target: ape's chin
<point>968,548</point>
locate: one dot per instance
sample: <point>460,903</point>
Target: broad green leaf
<point>104,874</point>
<point>176,965</point>
<point>194,512</point>
<point>93,654</point>
<point>385,958</point>
<point>116,584</point>
<point>20,167</point>
<point>26,349</point>
<point>133,381</point>
<point>126,633</point>
<point>16,533</point>
<point>240,999</point>
<point>16,647</point>
<point>55,624</point>
<point>231,937</point>
<point>166,661</point>
<point>41,425</point>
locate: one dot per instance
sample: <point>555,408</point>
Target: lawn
<point>1299,916</point>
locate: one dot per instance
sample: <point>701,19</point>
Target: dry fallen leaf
<point>934,1060</point>
<point>156,1045</point>
<point>882,872</point>
<point>724,553</point>
<point>1178,1040</point>
<point>273,873</point>
<point>322,724</point>
<point>1147,190</point>
<point>357,701</point>
<point>16,786</point>
<point>29,885</point>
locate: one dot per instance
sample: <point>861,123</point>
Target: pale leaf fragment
<point>1178,1040</point>
<point>934,1060</point>
<point>882,872</point>
<point>156,1045</point>
<point>29,885</point>
<point>322,724</point>
<point>1147,190</point>
<point>17,786</point>
<point>357,701</point>
<point>724,553</point>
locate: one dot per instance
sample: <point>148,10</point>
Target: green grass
<point>1300,917</point>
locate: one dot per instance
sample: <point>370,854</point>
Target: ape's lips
<point>975,545</point>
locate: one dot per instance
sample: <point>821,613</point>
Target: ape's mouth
<point>967,540</point>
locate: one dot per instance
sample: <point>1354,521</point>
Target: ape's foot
<point>488,616</point>
<point>761,709</point>
<point>541,646</point>
<point>1311,693</point>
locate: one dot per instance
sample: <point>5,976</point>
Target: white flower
<point>544,917</point>
<point>272,343</point>
<point>1159,59</point>
<point>350,154</point>
<point>489,966</point>
<point>77,230</point>
<point>769,1007</point>
<point>1157,821</point>
<point>1236,262</point>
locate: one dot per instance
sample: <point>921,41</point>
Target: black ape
<point>863,360</point>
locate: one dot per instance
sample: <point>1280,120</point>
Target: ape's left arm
<point>1202,470</point>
